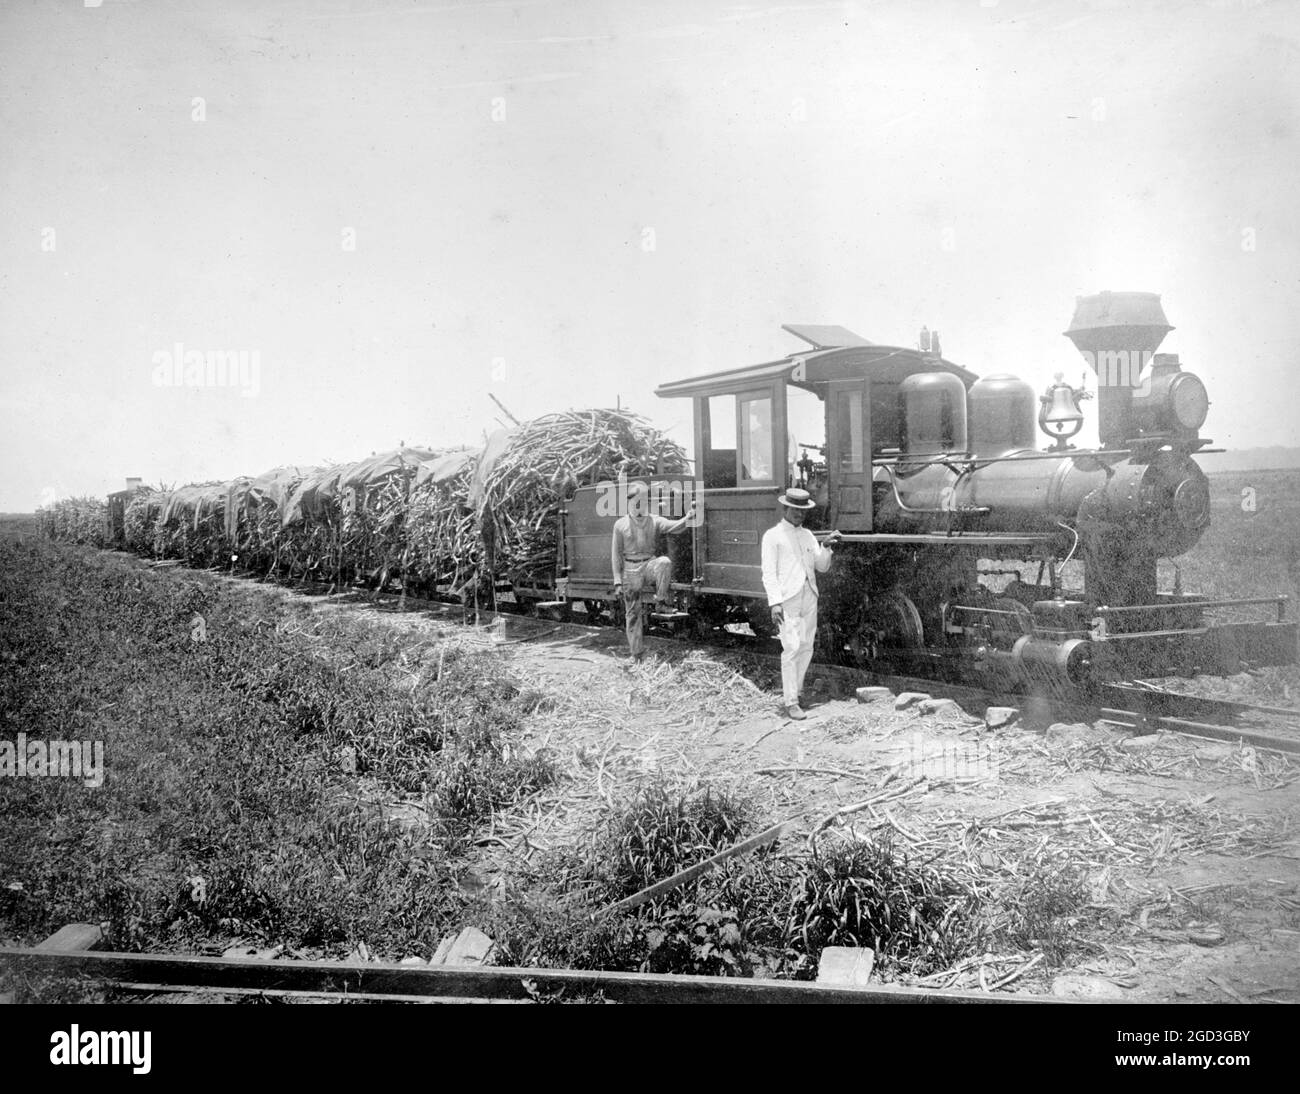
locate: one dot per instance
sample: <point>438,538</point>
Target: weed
<point>1041,911</point>
<point>914,915</point>
<point>664,830</point>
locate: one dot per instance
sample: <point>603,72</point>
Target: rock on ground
<point>946,707</point>
<point>909,698</point>
<point>1072,733</point>
<point>845,966</point>
<point>470,947</point>
<point>870,695</point>
<point>997,717</point>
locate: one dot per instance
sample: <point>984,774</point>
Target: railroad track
<point>73,952</point>
<point>1136,705</point>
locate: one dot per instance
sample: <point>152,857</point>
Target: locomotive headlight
<point>1171,400</point>
<point>1189,402</point>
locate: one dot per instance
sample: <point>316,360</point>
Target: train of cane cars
<point>969,553</point>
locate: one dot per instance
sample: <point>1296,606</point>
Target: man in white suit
<point>792,560</point>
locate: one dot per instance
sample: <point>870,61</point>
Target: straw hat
<point>797,499</point>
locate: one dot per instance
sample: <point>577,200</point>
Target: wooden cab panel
<point>729,555</point>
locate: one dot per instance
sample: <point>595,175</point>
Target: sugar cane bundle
<point>379,517</point>
<point>310,521</point>
<point>443,544</point>
<point>76,520</point>
<point>254,508</point>
<point>519,494</point>
<point>375,496</point>
<point>142,511</point>
<point>191,526</point>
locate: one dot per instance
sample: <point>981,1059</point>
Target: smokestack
<point>1117,333</point>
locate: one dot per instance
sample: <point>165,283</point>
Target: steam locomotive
<point>969,553</point>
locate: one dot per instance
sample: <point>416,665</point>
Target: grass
<point>915,915</point>
<point>1252,547</point>
<point>228,811</point>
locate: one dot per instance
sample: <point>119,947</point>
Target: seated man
<point>636,565</point>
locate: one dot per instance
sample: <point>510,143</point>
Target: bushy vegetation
<point>246,764</point>
<point>914,915</point>
<point>770,912</point>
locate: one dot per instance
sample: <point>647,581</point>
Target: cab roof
<point>837,353</point>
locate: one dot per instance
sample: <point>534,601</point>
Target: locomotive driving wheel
<point>890,622</point>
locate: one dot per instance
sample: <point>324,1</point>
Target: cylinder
<point>1042,659</point>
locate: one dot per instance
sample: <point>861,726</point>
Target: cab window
<point>848,429</point>
<point>719,456</point>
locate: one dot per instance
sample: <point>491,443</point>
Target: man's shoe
<point>795,712</point>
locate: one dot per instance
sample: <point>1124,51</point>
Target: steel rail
<point>507,983</point>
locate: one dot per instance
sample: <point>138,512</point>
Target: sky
<point>401,209</point>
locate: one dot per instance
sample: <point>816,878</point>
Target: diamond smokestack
<point>1117,333</point>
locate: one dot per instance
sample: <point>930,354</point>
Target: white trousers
<point>798,632</point>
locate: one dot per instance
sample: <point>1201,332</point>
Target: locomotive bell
<point>1060,417</point>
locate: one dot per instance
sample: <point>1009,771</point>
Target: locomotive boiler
<point>969,551</point>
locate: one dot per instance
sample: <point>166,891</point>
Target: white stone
<point>470,947</point>
<point>845,966</point>
<point>997,717</point>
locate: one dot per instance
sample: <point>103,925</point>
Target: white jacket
<point>791,556</point>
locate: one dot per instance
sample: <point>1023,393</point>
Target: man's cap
<point>797,499</point>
